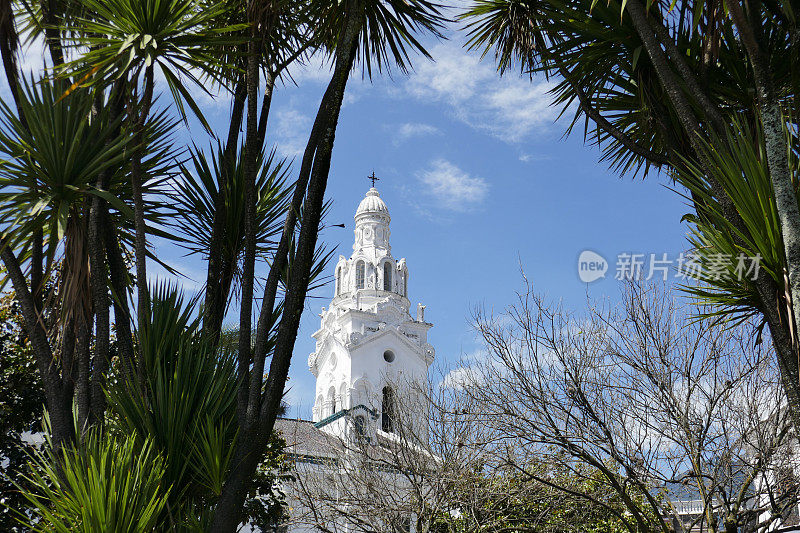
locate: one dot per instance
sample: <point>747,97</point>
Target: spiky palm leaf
<point>49,167</point>
<point>185,402</point>
<point>739,167</point>
<point>594,46</point>
<point>196,195</point>
<point>322,256</point>
<point>285,29</point>
<point>48,171</point>
<point>106,483</point>
<point>180,37</point>
<point>386,37</point>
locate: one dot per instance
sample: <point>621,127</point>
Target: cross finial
<point>373,179</point>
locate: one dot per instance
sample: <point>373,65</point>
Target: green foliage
<point>107,483</point>
<point>21,404</point>
<point>387,31</point>
<point>593,48</point>
<point>184,401</point>
<point>739,166</point>
<point>49,166</point>
<point>544,498</point>
<point>126,36</point>
<point>197,193</point>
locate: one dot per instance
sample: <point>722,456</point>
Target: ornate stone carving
<point>355,338</point>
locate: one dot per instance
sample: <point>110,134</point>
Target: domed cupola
<point>372,226</point>
<point>372,205</point>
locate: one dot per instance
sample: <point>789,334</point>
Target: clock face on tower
<point>368,234</point>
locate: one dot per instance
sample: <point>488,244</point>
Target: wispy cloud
<point>31,61</point>
<point>316,69</point>
<point>530,158</point>
<point>467,373</point>
<point>452,188</point>
<point>510,107</point>
<point>291,131</point>
<point>461,378</point>
<point>406,131</point>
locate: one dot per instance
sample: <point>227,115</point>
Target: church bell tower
<point>370,351</point>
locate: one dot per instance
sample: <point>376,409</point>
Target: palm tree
<point>183,401</point>
<point>47,169</point>
<point>183,405</point>
<point>47,174</point>
<point>380,34</point>
<point>126,40</point>
<point>731,293</point>
<point>282,33</point>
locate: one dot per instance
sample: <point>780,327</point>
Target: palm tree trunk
<point>99,286</point>
<point>9,43</point>
<point>249,163</point>
<point>266,103</point>
<point>216,295</point>
<point>82,390</point>
<point>138,201</point>
<point>51,32</point>
<point>57,392</point>
<point>260,415</point>
<point>98,219</point>
<point>783,343</point>
<point>122,318</point>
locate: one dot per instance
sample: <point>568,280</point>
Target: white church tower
<point>369,348</point>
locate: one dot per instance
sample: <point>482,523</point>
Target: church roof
<point>372,203</point>
<point>304,440</point>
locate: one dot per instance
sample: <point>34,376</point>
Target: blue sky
<point>480,182</point>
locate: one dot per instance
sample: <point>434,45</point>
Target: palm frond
<point>105,483</point>
<point>739,166</point>
<point>388,27</point>
<point>196,196</point>
<point>184,401</point>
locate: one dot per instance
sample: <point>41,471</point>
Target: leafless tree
<point>669,411</point>
<point>374,480</point>
<point>432,473</point>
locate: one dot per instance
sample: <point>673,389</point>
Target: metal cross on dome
<point>373,178</point>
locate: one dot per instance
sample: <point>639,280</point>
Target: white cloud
<point>30,61</point>
<point>529,158</point>
<point>412,129</point>
<point>511,107</point>
<point>291,130</point>
<point>317,69</point>
<point>461,378</point>
<point>451,187</point>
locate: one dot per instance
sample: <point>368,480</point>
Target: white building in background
<point>369,348</point>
